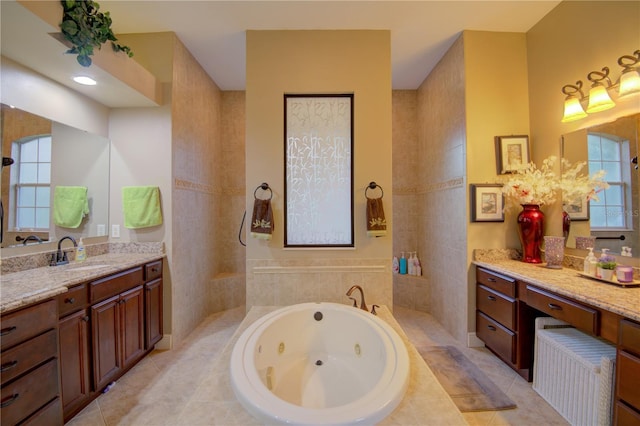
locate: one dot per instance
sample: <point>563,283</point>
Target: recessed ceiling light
<point>83,79</point>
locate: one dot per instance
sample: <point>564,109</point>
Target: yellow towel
<point>70,205</point>
<point>141,206</point>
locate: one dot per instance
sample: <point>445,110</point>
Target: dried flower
<point>532,185</point>
<point>578,187</point>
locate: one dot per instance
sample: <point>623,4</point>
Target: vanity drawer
<point>115,284</point>
<point>152,270</point>
<point>629,337</point>
<point>27,355</point>
<point>579,316</point>
<point>498,338</point>
<point>500,308</point>
<point>72,300</point>
<point>21,397</point>
<point>628,378</point>
<point>27,323</point>
<point>497,282</point>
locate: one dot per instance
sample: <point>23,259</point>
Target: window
<point>31,179</point>
<point>609,153</point>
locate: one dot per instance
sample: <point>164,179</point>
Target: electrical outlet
<point>102,230</point>
<point>115,231</point>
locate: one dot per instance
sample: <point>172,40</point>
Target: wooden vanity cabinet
<point>75,366</point>
<point>503,322</point>
<point>627,397</point>
<point>117,325</point>
<point>29,367</point>
<point>105,327</point>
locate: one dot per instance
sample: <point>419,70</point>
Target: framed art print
<point>487,203</point>
<point>512,153</point>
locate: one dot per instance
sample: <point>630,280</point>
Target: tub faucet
<point>60,257</point>
<point>363,305</point>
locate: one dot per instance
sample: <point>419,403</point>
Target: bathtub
<point>319,363</point>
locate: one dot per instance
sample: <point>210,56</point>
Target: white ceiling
<point>214,31</point>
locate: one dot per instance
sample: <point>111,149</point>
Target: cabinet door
<point>131,308</point>
<point>153,312</point>
<point>74,360</point>
<point>105,325</point>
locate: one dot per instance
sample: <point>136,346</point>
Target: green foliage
<point>87,28</point>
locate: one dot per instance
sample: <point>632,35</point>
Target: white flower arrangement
<point>532,185</point>
<point>541,186</point>
<point>579,187</point>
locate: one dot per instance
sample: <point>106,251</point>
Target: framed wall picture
<point>487,203</point>
<point>512,153</point>
<point>577,210</point>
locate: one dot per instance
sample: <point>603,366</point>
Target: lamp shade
<point>573,110</point>
<point>629,83</point>
<point>599,99</point>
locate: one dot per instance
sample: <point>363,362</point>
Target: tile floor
<point>157,391</point>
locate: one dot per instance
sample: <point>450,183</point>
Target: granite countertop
<point>23,288</point>
<point>624,301</point>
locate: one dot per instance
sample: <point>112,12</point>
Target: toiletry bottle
<point>417,269</point>
<point>403,264</point>
<point>590,263</point>
<point>81,254</point>
<point>396,265</point>
<point>410,264</point>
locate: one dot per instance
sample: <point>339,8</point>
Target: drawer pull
<point>70,300</point>
<point>555,307</point>
<point>491,280</point>
<point>492,328</point>
<point>492,298</point>
<point>8,366</point>
<point>8,330</point>
<point>154,270</point>
<point>10,400</point>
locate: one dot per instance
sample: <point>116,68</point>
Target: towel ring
<point>264,186</point>
<point>373,185</point>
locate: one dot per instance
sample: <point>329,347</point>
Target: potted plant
<point>86,28</point>
<point>605,267</point>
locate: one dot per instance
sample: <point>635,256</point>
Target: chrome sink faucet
<point>60,257</point>
<point>363,305</point>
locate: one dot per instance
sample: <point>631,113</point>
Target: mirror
<point>77,158</point>
<point>617,214</point>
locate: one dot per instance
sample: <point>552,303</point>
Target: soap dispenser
<point>590,263</point>
<point>81,254</point>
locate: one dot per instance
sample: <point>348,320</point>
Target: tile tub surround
<point>423,390</point>
<point>30,286</point>
<point>567,282</point>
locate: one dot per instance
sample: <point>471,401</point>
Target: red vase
<point>531,232</point>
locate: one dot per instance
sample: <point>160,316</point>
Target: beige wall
<point>575,38</point>
<point>441,194</point>
<point>281,62</point>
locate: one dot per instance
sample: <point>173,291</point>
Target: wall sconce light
<point>598,98</point>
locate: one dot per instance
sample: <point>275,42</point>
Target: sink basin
<point>86,267</point>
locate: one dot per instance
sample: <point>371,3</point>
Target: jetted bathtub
<point>319,363</point>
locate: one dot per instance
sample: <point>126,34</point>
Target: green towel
<point>141,206</point>
<point>70,205</point>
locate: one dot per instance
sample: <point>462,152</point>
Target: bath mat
<point>469,388</point>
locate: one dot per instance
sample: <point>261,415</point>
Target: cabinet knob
<point>8,366</point>
<point>9,400</point>
<point>70,300</point>
<point>85,318</point>
<point>555,307</point>
<point>8,330</point>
